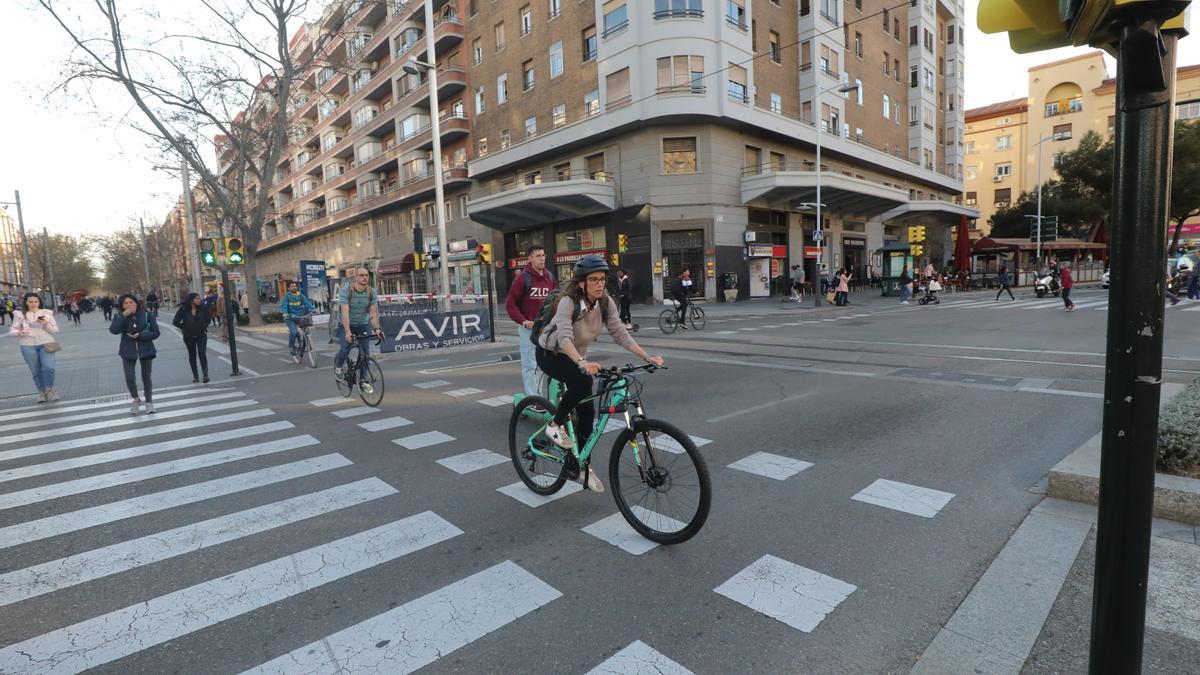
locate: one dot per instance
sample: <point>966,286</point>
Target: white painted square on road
<point>459,393</point>
<point>519,492</point>
<point>772,326</point>
<point>431,385</point>
<point>671,445</point>
<point>385,423</point>
<point>614,424</point>
<point>616,531</point>
<point>787,592</point>
<point>919,501</point>
<point>747,330</point>
<point>726,332</point>
<point>639,658</point>
<point>770,465</point>
<point>332,400</point>
<point>472,461</point>
<point>795,323</point>
<point>497,401</point>
<point>355,412</point>
<point>418,441</point>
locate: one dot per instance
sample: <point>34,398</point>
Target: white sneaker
<point>41,397</point>
<point>149,407</point>
<point>904,302</point>
<point>135,406</point>
<point>52,395</point>
<point>593,482</point>
<point>559,436</point>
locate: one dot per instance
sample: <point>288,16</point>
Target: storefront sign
<point>313,281</point>
<point>462,245</point>
<point>759,250</point>
<point>418,326</point>
<point>514,263</point>
<point>853,243</point>
<point>812,251</point>
<point>776,268</point>
<point>571,258</point>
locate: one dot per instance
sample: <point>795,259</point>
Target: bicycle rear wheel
<point>541,475</point>
<point>370,382</point>
<point>697,318</point>
<point>660,482</point>
<point>666,321</point>
<point>309,351</point>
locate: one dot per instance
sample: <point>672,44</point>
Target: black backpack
<point>550,306</point>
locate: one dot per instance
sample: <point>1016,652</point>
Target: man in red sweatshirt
<point>525,297</point>
<point>1067,284</point>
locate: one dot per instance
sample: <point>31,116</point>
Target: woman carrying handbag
<point>36,328</point>
<point>138,331</point>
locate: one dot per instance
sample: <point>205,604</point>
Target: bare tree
<point>68,256</point>
<point>231,74</point>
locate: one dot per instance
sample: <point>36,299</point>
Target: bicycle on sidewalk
<point>305,350</point>
<point>361,371</point>
<point>669,319</point>
<point>658,478</point>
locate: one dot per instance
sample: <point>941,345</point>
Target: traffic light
<point>483,253</point>
<point>622,243</point>
<point>917,250</point>
<point>615,258</point>
<point>1035,25</point>
<point>208,252</point>
<point>234,253</point>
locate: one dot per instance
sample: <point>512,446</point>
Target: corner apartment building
<point>686,129</point>
<point>12,277</point>
<point>1067,98</point>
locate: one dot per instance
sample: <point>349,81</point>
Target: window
<point>462,206</point>
<point>887,62</point>
<point>499,31</point>
<point>804,7</point>
<point>1004,142</point>
<point>594,165</point>
<point>928,80</point>
<point>617,86</point>
<point>526,20</point>
<point>896,69</point>
<point>735,13</point>
<point>616,17</point>
<point>887,20</point>
<point>971,173</point>
<point>1003,196</point>
<point>1003,169</point>
<point>1062,132</point>
<point>858,93</point>
<point>773,46</point>
<point>970,147</point>
<point>531,126</point>
<point>682,75</point>
<point>777,104</point>
<point>887,107</point>
<point>1075,105</point>
<point>829,9</point>
<point>896,29</point>
<point>479,106</point>
<point>483,148</point>
<point>555,8</point>
<point>679,155</point>
<point>527,75</point>
<point>562,171</point>
<point>558,115</point>
<point>914,77</point>
<point>556,60</point>
<point>737,83</point>
<point>533,178</point>
<point>1183,111</point>
<point>971,199</point>
<point>591,103</point>
<point>505,139</point>
<point>473,7</point>
<point>928,41</point>
<point>502,88</point>
<point>589,43</point>
<point>477,50</point>
<point>805,55</point>
<point>829,61</point>
<point>858,46</point>
<point>666,9</point>
<point>778,161</point>
<point>912,36</point>
<point>752,161</point>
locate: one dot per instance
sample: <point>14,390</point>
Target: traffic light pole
<point>230,320</point>
<point>1133,365</point>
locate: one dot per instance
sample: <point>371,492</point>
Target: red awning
<point>989,245</point>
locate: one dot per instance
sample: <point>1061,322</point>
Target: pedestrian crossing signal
<point>208,252</point>
<point>234,254</point>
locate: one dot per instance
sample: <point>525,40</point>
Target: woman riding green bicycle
<point>582,311</point>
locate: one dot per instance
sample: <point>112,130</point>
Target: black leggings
<point>1004,288</point>
<point>1066,297</point>
<point>579,387</point>
<point>197,346</point>
<point>626,317</point>
<point>131,382</point>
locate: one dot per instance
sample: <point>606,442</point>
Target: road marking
<point>787,592</point>
<point>756,408</point>
<point>431,385</point>
<point>123,556</point>
<point>614,424</point>
<point>125,411</point>
<point>498,401</point>
<point>126,631</point>
<point>132,419</point>
<point>472,461</point>
<point>288,361</point>
<point>424,630</point>
<point>1194,308</point>
<point>615,530</point>
<point>332,400</point>
<point>254,342</point>
<point>140,451</point>
<point>639,658</point>
<point>355,412</point>
<point>663,442</point>
<point>134,475</point>
<point>1062,392</point>
<point>919,501</point>
<point>725,332</point>
<point>795,323</point>
<point>52,526</point>
<point>125,435</point>
<point>418,441</point>
<point>459,393</point>
<point>519,492</point>
<point>771,326</point>
<point>241,368</point>
<point>101,402</point>
<point>467,366</point>
<point>770,465</point>
<point>748,330</point>
<point>385,423</point>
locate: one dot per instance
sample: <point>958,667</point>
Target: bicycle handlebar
<point>377,335</point>
<point>628,368</point>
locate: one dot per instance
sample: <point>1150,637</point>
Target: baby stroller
<point>929,290</point>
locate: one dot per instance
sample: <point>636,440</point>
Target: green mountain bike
<point>657,476</point>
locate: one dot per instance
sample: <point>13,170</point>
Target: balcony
<point>795,183</point>
<point>929,210</point>
<point>570,195</point>
<point>447,33</point>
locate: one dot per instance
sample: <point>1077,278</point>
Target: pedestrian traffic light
<point>234,254</point>
<point>622,243</point>
<point>1035,25</point>
<point>917,250</point>
<point>208,252</point>
<point>483,253</point>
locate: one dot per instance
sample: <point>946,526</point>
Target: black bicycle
<point>669,319</point>
<point>361,371</point>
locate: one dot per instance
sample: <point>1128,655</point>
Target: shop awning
<point>526,205</point>
<point>839,193</point>
<point>989,245</point>
<point>930,211</point>
<point>393,266</point>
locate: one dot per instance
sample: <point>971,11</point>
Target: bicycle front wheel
<point>309,351</point>
<point>666,321</point>
<point>696,317</point>
<point>542,475</point>
<point>660,482</point>
<point>370,383</point>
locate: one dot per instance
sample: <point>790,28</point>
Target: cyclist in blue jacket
<point>294,304</point>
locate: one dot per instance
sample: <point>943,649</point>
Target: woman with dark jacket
<point>192,320</point>
<point>138,331</point>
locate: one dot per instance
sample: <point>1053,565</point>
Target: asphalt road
<point>252,523</point>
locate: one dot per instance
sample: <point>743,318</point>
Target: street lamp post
<point>1041,140</point>
<point>27,275</point>
<point>818,232</point>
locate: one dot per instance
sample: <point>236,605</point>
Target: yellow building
<point>1066,99</point>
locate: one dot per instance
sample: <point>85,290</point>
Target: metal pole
<point>491,303</point>
<point>28,276</point>
<point>1041,139</point>
<point>820,225</point>
<point>49,263</point>
<point>438,189</point>
<point>1133,365</point>
<point>145,255</point>
<point>193,243</point>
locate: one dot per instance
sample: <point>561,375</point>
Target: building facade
<point>658,133</point>
<point>12,276</point>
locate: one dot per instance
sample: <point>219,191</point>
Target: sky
<point>80,173</point>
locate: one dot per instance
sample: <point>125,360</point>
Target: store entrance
<point>854,256</point>
<point>685,248</point>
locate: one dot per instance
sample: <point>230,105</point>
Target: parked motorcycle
<point>1046,284</point>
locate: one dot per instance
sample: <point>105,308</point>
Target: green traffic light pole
<point>1133,365</point>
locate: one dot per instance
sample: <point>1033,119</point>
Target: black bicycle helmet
<point>588,264</point>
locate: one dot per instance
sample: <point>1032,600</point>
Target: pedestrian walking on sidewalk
<point>192,321</point>
<point>106,306</point>
<point>1067,284</point>
<point>138,331</point>
<point>1193,287</point>
<point>905,285</point>
<point>843,288</point>
<point>625,297</point>
<point>36,327</point>
<point>1004,281</point>
<point>797,283</point>
<point>528,292</point>
<point>74,312</point>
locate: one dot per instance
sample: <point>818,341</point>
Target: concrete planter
<point>730,294</point>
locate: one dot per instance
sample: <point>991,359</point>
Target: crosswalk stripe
<point>1020,304</point>
<point>139,451</point>
<point>123,556</point>
<point>125,434</point>
<point>52,526</point>
<point>639,657</point>
<point>255,342</point>
<point>332,400</point>
<point>106,480</point>
<point>385,423</point>
<point>126,631</point>
<point>355,412</point>
<point>1193,308</point>
<point>92,426</point>
<point>43,410</point>
<point>424,630</point>
<point>123,410</point>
